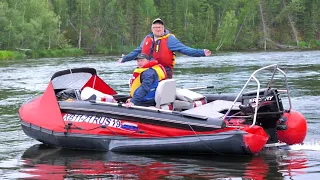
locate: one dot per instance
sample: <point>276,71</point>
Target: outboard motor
<point>270,110</point>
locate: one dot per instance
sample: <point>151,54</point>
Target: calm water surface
<point>24,158</point>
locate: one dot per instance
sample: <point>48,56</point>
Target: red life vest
<point>160,51</point>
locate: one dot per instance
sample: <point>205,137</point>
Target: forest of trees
<point>115,26</point>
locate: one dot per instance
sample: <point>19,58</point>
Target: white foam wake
<point>314,146</point>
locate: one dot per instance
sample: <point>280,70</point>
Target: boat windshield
<point>72,78</point>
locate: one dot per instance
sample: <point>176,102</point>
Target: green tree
<point>149,12</point>
<point>246,35</point>
<point>32,25</point>
<point>60,8</point>
<point>112,25</point>
<point>4,24</point>
<point>115,25</point>
<point>204,22</point>
<point>227,30</point>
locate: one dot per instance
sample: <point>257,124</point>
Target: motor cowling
<point>269,104</point>
<point>296,130</point>
<point>270,110</point>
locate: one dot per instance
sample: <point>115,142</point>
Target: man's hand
<point>207,52</point>
<point>120,59</point>
<point>129,103</point>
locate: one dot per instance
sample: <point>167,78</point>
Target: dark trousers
<point>146,103</point>
<point>169,72</point>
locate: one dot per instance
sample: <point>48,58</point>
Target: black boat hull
<point>204,144</point>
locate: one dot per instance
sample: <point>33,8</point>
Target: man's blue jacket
<point>148,77</point>
<point>173,44</point>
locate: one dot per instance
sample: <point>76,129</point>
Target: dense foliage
<point>114,26</point>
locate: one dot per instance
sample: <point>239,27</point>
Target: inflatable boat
<point>78,110</point>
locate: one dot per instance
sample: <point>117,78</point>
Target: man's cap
<point>158,20</point>
<point>142,56</point>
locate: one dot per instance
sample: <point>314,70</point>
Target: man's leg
<point>146,103</point>
<point>169,72</point>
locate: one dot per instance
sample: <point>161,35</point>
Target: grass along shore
<point>27,53</point>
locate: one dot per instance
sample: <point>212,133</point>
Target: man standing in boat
<point>144,81</point>
<point>161,45</point>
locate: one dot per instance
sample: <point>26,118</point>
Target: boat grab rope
<point>67,127</point>
<point>103,127</point>
<point>203,142</point>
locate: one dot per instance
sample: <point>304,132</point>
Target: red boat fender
<point>296,128</point>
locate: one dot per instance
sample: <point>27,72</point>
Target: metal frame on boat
<point>253,76</point>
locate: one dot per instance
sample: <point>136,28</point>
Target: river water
<point>24,158</point>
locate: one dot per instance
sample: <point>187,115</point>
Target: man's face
<point>157,29</point>
<point>142,62</point>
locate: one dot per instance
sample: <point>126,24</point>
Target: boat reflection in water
<point>43,162</point>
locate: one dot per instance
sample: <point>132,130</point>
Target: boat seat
<point>214,109</point>
<point>165,94</point>
<point>187,99</point>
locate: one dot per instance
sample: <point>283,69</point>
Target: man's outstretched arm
<point>177,46</point>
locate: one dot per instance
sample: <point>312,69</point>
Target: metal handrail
<point>275,69</point>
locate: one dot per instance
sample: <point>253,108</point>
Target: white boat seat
<point>188,95</point>
<point>187,99</point>
<point>181,105</point>
<point>165,93</point>
<point>213,109</point>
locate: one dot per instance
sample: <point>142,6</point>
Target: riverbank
<point>10,55</point>
<point>28,53</point>
<point>56,53</point>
